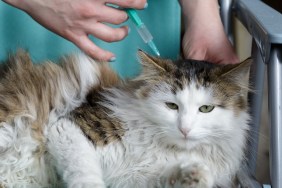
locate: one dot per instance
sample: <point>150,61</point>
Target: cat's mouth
<point>186,143</point>
<point>190,141</point>
<point>189,137</point>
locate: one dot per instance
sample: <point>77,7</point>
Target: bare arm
<point>204,37</point>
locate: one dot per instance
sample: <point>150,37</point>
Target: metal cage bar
<point>275,111</point>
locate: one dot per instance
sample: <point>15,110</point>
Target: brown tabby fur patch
<point>93,118</point>
<point>94,121</point>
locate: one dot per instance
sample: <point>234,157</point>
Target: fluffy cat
<point>77,124</point>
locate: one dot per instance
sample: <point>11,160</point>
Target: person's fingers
<point>112,15</point>
<point>86,45</point>
<point>137,4</point>
<point>107,33</point>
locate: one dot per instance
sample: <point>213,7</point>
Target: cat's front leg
<point>191,175</point>
<point>74,156</point>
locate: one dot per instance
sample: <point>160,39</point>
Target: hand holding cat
<point>76,19</point>
<point>204,37</point>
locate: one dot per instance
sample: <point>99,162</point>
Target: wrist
<point>195,11</point>
<point>195,5</point>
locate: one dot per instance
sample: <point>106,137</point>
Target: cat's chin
<point>186,143</point>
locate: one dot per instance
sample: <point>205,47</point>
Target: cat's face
<point>194,102</point>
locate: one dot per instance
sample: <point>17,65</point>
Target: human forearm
<point>197,10</point>
<point>204,37</point>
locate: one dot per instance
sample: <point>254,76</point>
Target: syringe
<point>142,30</point>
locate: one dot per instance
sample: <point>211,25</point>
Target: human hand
<point>204,37</point>
<point>74,20</point>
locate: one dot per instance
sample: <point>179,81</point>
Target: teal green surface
<point>162,18</point>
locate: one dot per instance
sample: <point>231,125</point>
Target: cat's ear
<point>238,73</point>
<point>154,63</point>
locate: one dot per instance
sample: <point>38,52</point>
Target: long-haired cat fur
<point>77,124</point>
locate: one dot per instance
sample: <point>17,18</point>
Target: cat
<point>77,124</point>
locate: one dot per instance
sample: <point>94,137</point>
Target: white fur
<point>89,74</point>
<point>75,157</point>
<point>18,166</point>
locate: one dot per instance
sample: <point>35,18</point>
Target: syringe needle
<point>142,30</point>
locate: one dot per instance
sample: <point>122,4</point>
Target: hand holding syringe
<point>142,30</point>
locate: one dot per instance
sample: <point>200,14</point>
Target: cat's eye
<point>206,108</point>
<point>171,105</point>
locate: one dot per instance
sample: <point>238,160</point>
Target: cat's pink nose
<point>184,131</point>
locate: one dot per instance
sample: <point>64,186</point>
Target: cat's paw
<point>189,176</point>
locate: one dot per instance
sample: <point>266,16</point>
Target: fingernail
<point>113,59</point>
<point>128,30</point>
<point>146,5</point>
